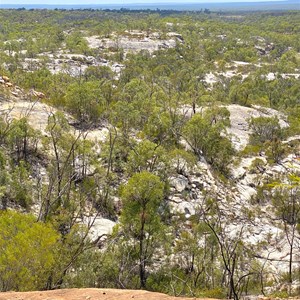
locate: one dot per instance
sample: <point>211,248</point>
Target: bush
<point>205,134</point>
<point>264,129</point>
<point>28,252</point>
<point>257,166</point>
<point>250,150</point>
<point>217,293</point>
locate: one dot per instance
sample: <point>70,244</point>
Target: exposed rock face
<point>100,227</point>
<point>36,112</point>
<point>89,294</point>
<point>104,294</point>
<point>239,117</point>
<point>76,64</point>
<point>179,183</point>
<point>236,199</point>
<point>135,41</point>
<point>72,64</point>
<point>239,121</point>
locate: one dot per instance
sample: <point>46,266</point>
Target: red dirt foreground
<point>89,294</point>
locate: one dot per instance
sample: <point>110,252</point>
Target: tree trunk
<point>141,253</point>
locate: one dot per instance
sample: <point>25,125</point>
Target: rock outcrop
<point>89,294</point>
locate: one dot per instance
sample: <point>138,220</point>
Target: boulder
<point>183,207</point>
<point>99,227</point>
<point>180,183</point>
<point>8,84</point>
<point>5,78</point>
<point>37,94</point>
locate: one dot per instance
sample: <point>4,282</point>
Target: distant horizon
<point>177,5</point>
<point>135,2</point>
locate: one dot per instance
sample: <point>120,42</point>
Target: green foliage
<point>267,133</point>
<point>288,62</point>
<point>159,127</point>
<point>22,138</point>
<point>194,262</point>
<point>140,218</point>
<point>142,197</point>
<point>182,160</point>
<point>146,109</point>
<point>286,201</point>
<point>148,156</point>
<point>69,188</point>
<point>280,294</point>
<point>85,101</point>
<point>205,134</point>
<point>217,293</point>
<point>28,252</point>
<point>93,73</point>
<point>75,43</point>
<point>257,165</point>
<point>4,179</point>
<point>19,142</point>
<point>275,150</point>
<point>20,186</point>
<point>57,89</point>
<point>293,119</point>
<point>264,129</point>
<point>240,94</point>
<point>37,79</point>
<point>118,264</point>
<point>286,206</point>
<point>250,150</point>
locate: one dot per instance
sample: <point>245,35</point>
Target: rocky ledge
<point>89,294</point>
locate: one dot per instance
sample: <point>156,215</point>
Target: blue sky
<point>87,2</point>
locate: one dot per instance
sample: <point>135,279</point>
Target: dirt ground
<point>89,294</point>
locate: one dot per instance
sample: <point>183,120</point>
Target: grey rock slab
<point>180,183</point>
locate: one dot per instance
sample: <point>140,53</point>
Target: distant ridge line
<point>229,6</point>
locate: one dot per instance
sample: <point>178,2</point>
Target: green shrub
<point>257,165</point>
<point>28,252</point>
<point>250,150</point>
<point>218,293</point>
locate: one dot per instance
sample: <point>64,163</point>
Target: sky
<point>95,2</point>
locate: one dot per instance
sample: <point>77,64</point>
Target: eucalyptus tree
<point>140,219</point>
<point>205,134</point>
<point>286,205</point>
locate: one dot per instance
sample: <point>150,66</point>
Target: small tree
<point>264,129</point>
<point>196,252</point>
<point>266,132</point>
<point>236,257</point>
<point>140,217</point>
<point>148,156</point>
<point>287,208</point>
<point>22,139</point>
<point>85,101</point>
<point>205,134</point>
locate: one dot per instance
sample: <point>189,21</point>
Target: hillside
<point>153,151</point>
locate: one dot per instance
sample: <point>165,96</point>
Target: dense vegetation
<point>155,130</point>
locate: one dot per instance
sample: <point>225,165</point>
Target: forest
<point>154,150</point>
